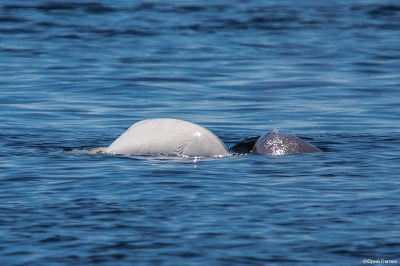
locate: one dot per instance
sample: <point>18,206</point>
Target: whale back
<point>171,137</point>
<point>281,144</point>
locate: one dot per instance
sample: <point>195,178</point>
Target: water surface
<point>75,75</point>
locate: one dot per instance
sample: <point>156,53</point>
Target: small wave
<point>93,7</point>
<point>97,150</point>
<point>102,151</point>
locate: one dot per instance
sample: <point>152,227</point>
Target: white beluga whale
<point>169,137</point>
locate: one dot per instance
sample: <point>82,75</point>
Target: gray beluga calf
<point>273,143</point>
<point>170,137</point>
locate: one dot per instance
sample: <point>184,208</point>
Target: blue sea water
<point>74,75</point>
